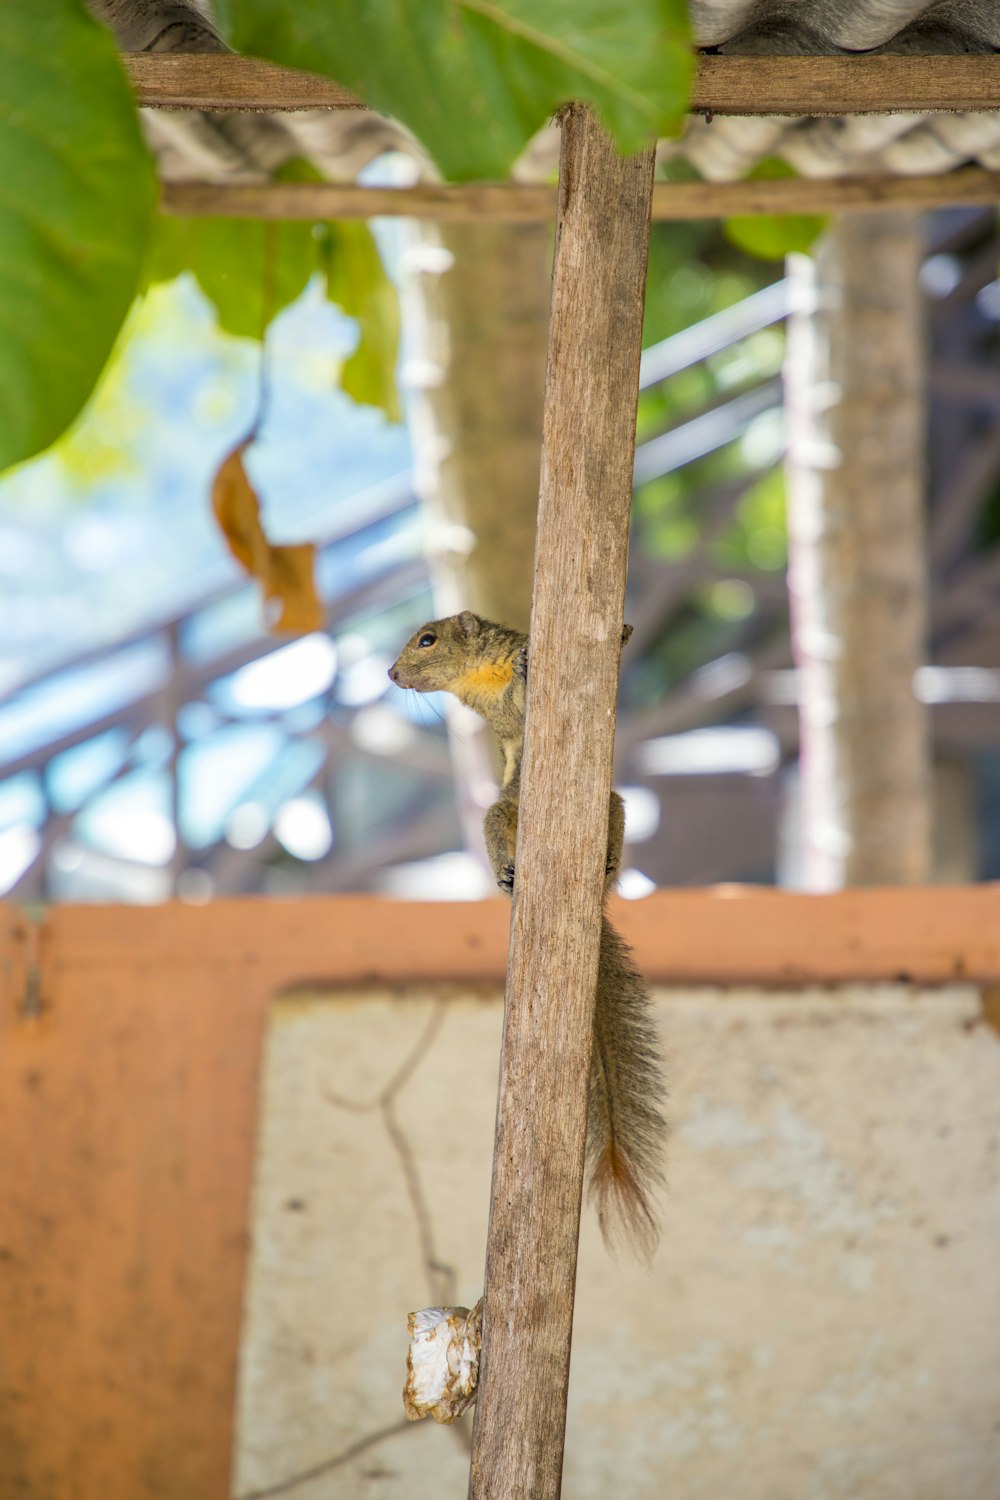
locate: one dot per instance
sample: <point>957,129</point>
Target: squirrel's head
<point>434,654</point>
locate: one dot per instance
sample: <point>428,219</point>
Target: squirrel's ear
<point>469,622</point>
<point>626,632</point>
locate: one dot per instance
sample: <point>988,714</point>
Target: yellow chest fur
<point>486,681</point>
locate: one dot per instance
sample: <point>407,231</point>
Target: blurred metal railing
<point>382,781</point>
<point>151,678</point>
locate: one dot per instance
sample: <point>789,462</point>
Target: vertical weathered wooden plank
<point>855,381</point>
<point>581,554</point>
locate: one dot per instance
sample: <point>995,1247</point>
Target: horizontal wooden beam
<point>224,81</point>
<point>511,201</point>
<point>716,935</point>
<point>516,202</point>
<point>845,85</point>
<point>724,85</point>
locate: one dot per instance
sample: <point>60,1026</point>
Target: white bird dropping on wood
<point>442,1363</point>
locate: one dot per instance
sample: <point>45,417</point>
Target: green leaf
<point>356,281</point>
<point>773,236</point>
<point>358,284</point>
<point>249,268</point>
<point>77,192</point>
<point>475,79</point>
<point>252,268</point>
<point>757,536</point>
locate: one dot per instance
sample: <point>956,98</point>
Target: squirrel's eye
<point>428,639</point>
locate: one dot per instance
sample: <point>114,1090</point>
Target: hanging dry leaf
<point>285,573</point>
<point>290,590</point>
<point>237,510</point>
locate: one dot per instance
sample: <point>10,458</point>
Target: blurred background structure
<point>247,1138</point>
<point>154,739</point>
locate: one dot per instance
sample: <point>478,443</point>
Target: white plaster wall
<point>822,1321</point>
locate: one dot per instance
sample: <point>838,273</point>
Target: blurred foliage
<point>664,510</point>
<point>474,82</point>
<point>107,438</point>
<point>773,236</point>
<point>724,510</point>
<point>78,190</point>
<point>252,268</point>
<point>78,197</point>
<point>988,528</point>
<point>757,536</point>
<point>699,634</point>
<point>249,269</point>
<point>358,284</point>
<point>117,435</point>
<point>695,272</point>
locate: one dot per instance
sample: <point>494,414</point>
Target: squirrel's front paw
<point>505,880</point>
<point>521,664</point>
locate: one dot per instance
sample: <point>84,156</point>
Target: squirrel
<point>485,666</point>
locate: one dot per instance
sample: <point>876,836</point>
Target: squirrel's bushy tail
<point>625,1129</point>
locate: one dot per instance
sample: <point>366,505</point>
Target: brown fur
<point>485,665</point>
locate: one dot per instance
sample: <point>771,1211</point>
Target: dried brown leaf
<point>237,510</point>
<point>286,574</point>
<point>291,587</point>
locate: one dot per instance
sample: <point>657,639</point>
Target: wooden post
<point>581,555</point>
<point>855,404</point>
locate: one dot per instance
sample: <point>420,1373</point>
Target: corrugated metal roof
<point>726,149</point>
<point>845,26</point>
<point>722,149</point>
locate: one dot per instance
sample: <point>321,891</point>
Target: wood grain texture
<point>224,81</point>
<point>526,203</point>
<point>845,85</point>
<point>581,554</point>
<point>723,85</point>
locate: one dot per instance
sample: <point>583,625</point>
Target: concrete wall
<point>822,1320</point>
<point>252,1135</point>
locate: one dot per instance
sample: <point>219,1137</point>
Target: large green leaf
<point>357,282</point>
<point>252,268</point>
<point>249,268</point>
<point>773,236</point>
<point>77,191</point>
<point>474,79</point>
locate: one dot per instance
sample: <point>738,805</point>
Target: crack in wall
<point>441,1276</point>
<point>285,1486</point>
